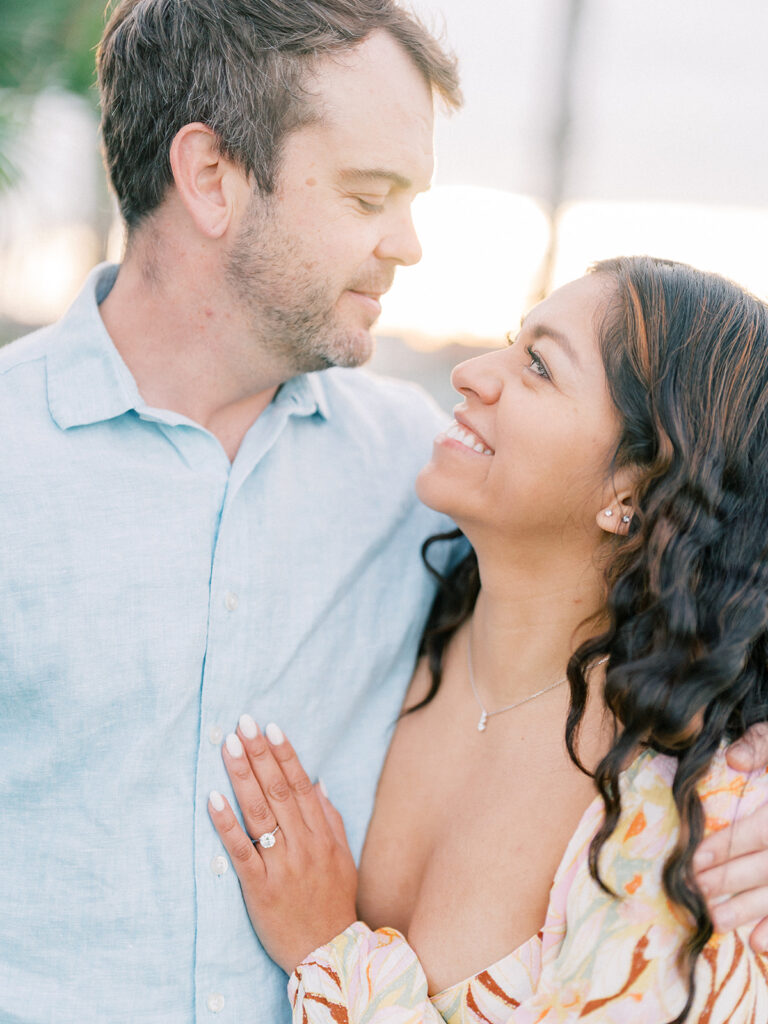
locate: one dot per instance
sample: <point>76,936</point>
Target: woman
<point>611,471</point>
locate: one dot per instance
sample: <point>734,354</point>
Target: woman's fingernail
<point>234,746</point>
<point>248,727</point>
<point>323,790</point>
<point>275,734</point>
<point>217,800</point>
<point>702,859</point>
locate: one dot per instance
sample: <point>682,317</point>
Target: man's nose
<point>401,243</point>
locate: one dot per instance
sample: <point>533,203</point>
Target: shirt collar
<point>307,393</point>
<point>88,382</point>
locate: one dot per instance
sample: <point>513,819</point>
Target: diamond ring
<point>267,839</point>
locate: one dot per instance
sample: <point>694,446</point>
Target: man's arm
<point>732,864</point>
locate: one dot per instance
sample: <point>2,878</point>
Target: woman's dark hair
<point>686,360</point>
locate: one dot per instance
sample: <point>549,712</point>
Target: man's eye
<point>368,206</point>
<point>536,364</point>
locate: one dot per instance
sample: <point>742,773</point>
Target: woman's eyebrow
<point>541,330</point>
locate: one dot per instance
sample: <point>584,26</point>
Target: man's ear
<point>207,183</point>
<point>616,511</point>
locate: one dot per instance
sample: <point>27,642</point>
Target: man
<point>193,526</point>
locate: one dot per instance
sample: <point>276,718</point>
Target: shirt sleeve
<point>362,975</point>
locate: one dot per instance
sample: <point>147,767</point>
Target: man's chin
<point>353,350</point>
<point>344,348</point>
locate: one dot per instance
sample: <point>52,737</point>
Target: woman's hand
<point>300,892</point>
<point>734,861</point>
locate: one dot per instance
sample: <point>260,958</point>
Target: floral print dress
<point>597,958</point>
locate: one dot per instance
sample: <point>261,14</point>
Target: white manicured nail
<point>234,746</point>
<point>323,790</point>
<point>274,734</point>
<point>248,727</point>
<point>217,800</point>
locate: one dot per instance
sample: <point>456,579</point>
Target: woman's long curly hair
<point>686,360</point>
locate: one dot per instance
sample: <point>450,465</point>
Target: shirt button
<point>219,865</point>
<point>231,601</point>
<point>215,1002</point>
<point>215,735</point>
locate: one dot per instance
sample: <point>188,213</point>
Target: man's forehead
<point>373,80</point>
<point>375,116</point>
<point>394,151</point>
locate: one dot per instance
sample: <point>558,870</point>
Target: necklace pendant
<point>481,725</point>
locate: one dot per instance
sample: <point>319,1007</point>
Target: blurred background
<point>592,128</point>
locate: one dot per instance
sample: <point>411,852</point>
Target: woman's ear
<point>207,182</point>
<point>615,515</point>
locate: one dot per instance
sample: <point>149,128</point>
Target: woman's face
<point>539,428</point>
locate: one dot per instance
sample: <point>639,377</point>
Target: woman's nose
<point>480,377</point>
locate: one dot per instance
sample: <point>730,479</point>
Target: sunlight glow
<point>482,249</point>
<point>726,239</point>
<point>42,271</point>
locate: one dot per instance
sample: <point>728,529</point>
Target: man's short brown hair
<point>237,66</point>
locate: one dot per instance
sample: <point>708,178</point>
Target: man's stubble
<point>290,301</point>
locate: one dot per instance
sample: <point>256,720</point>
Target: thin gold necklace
<point>482,725</point>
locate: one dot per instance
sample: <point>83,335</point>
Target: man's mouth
<point>371,299</point>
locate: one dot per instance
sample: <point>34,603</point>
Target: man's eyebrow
<point>376,174</point>
<point>543,330</point>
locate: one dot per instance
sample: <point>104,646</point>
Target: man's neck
<point>187,349</point>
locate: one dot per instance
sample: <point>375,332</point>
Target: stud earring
<point>608,512</point>
<point>625,519</point>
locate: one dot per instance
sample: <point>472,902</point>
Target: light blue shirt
<point>151,592</point>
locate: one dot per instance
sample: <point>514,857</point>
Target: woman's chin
<point>438,492</point>
<point>426,491</point>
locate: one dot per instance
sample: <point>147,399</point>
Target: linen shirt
<point>150,592</point>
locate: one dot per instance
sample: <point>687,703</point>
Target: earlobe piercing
<point>625,519</point>
<point>608,512</point>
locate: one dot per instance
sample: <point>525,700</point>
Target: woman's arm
<point>602,955</point>
<point>362,975</point>
<point>299,884</point>
<point>732,864</point>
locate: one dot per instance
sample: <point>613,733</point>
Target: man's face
<point>311,262</point>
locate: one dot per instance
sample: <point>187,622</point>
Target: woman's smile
<point>462,438</point>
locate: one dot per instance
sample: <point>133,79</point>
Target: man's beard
<point>292,310</point>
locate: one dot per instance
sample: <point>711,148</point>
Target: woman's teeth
<point>467,438</point>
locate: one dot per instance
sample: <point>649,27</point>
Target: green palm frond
<point>43,43</point>
<point>49,42</point>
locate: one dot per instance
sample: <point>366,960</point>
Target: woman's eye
<point>536,365</point>
<point>368,206</point>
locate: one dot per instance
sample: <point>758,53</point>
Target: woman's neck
<point>527,622</point>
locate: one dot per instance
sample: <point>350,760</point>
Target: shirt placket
<point>232,612</point>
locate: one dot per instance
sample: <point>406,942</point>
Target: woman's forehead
<point>571,314</point>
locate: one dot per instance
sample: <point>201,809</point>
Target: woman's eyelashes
<point>537,364</point>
